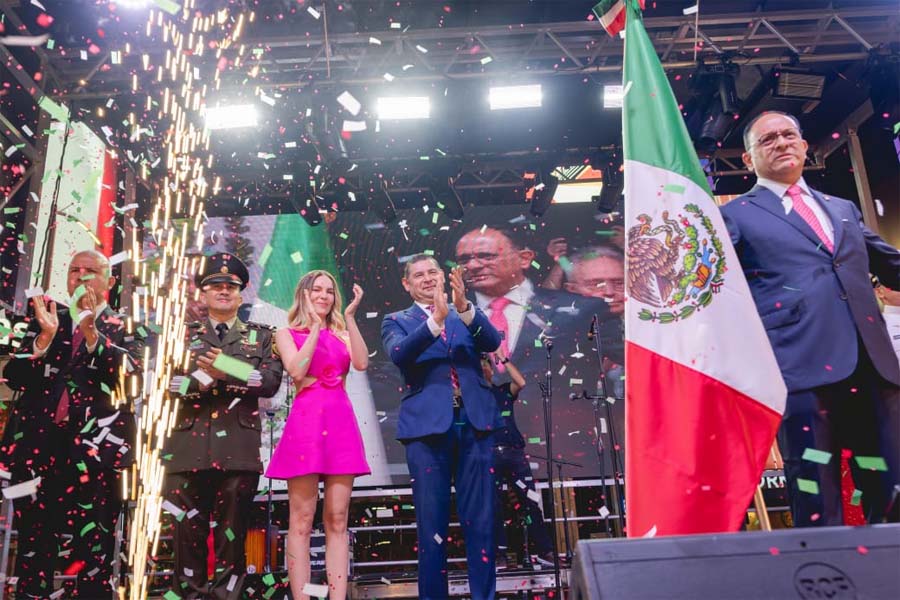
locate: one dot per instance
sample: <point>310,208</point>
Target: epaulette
<point>194,324</point>
<point>255,325</point>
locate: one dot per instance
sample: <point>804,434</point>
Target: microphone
<point>546,341</point>
<point>593,328</point>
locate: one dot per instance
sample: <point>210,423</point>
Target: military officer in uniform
<point>212,457</point>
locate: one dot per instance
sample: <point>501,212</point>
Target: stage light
<point>613,96</point>
<point>799,84</point>
<point>403,107</point>
<point>133,3</point>
<point>515,96</point>
<point>230,117</point>
<point>446,196</point>
<point>306,205</point>
<point>543,192</point>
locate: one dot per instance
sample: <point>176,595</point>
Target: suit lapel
<point>235,333</point>
<point>837,224</point>
<point>209,335</point>
<point>767,200</point>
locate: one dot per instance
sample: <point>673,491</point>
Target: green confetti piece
<point>537,343</point>
<point>856,498</point>
<point>408,507</point>
<point>11,211</point>
<point>434,218</point>
<point>88,425</point>
<point>88,528</point>
<point>268,579</point>
<point>343,235</point>
<point>222,433</point>
<point>142,332</point>
<point>536,264</point>
<point>875,463</point>
<point>185,384</point>
<point>817,456</point>
<point>424,232</point>
<point>808,485</point>
<point>51,44</point>
<point>534,440</point>
<point>81,466</point>
<point>76,296</point>
<point>251,339</point>
<point>428,252</point>
<point>19,435</point>
<point>674,188</point>
<point>297,257</point>
<point>229,534</point>
<point>232,366</point>
<point>266,253</point>
<point>505,413</point>
<point>565,264</point>
<point>104,387</point>
<point>86,506</point>
<point>56,111</point>
<point>170,6</point>
<point>170,595</point>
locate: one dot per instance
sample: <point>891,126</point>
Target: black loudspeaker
<point>836,563</point>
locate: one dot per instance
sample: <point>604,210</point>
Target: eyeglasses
<point>770,139</point>
<point>610,285</point>
<point>484,257</point>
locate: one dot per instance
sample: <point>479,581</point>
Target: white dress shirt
<point>780,190</point>
<point>230,322</point>
<point>519,297</point>
<point>466,317</point>
<point>892,318</point>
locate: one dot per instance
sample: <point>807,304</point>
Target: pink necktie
<point>454,376</point>
<point>62,409</point>
<point>498,320</point>
<point>806,213</point>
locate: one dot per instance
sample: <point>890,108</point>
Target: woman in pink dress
<point>321,439</point>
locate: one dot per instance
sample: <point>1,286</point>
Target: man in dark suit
<point>807,257</point>
<point>66,435</point>
<point>212,457</point>
<point>496,262</point>
<point>445,422</point>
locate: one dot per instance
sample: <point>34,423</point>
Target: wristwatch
<point>503,361</point>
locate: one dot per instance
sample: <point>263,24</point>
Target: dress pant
<point>78,497</point>
<point>860,413</point>
<point>465,456</point>
<point>510,469</point>
<point>211,496</point>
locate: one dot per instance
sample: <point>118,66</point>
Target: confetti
<point>874,463</point>
<point>808,486</point>
<point>817,456</point>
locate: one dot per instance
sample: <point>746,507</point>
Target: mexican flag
<point>704,395</point>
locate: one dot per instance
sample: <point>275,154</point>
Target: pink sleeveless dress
<point>321,434</point>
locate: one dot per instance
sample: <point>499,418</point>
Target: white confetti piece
<point>879,207</point>
<point>118,258</point>
<point>385,581</point>
<point>172,509</point>
<point>10,151</point>
<point>384,513</point>
<point>350,103</point>
<point>437,537</point>
<point>651,533</point>
<point>521,484</point>
<point>422,49</point>
<point>388,77</point>
<point>202,377</point>
<point>604,512</point>
<point>371,315</point>
<point>234,403</point>
<point>315,15</point>
<point>533,496</point>
<point>353,126</point>
<point>312,589</point>
<point>20,490</point>
<point>232,581</point>
<point>267,99</point>
<point>689,10</point>
<point>33,292</point>
<point>24,40</point>
<point>374,41</point>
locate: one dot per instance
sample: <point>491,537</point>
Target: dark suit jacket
<point>96,431</point>
<point>425,361</point>
<point>209,432</point>
<point>814,304</point>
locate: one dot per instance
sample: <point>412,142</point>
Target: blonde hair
<point>298,317</point>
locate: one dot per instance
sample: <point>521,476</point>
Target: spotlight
<point>610,199</point>
<point>797,84</point>
<point>543,191</point>
<point>515,96</point>
<point>613,96</point>
<point>306,206</point>
<point>230,117</point>
<point>403,107</point>
<point>447,197</point>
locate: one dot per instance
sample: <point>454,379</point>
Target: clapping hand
<point>458,287</point>
<point>441,310</point>
<point>350,311</point>
<point>46,316</point>
<point>206,361</point>
<point>312,315</point>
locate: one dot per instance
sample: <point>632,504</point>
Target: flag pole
<point>762,512</point>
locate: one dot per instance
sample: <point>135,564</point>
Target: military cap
<point>224,268</point>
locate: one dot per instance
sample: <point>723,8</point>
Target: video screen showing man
<point>496,263</point>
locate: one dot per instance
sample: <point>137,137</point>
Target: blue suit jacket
<point>814,304</point>
<point>424,361</point>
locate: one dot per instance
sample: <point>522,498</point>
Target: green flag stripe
<point>290,235</point>
<point>653,131</point>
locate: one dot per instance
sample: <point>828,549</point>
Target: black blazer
<point>96,430</point>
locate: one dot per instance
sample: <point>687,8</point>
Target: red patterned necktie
<point>498,320</point>
<point>806,213</point>
<point>62,409</point>
<point>454,376</point>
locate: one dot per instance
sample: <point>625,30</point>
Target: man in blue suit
<point>445,421</point>
<point>807,258</point>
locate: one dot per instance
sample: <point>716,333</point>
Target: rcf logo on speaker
<point>815,581</point>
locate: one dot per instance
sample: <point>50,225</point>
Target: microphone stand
<point>602,396</point>
<point>546,397</point>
